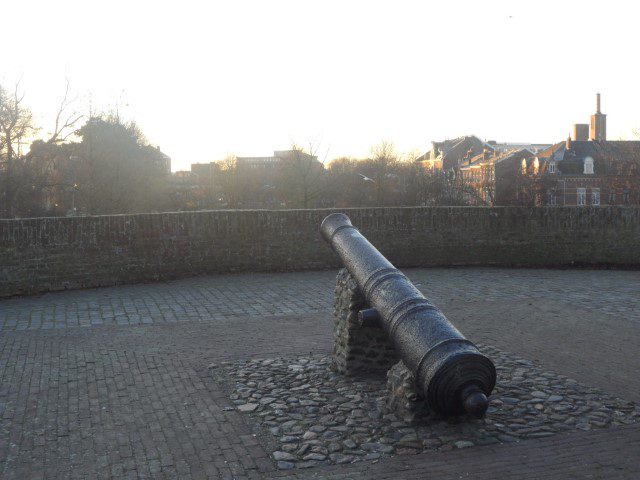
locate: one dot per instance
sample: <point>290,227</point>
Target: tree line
<point>101,164</point>
<point>299,180</point>
<point>94,164</point>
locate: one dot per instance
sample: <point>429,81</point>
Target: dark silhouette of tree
<point>117,171</point>
<point>230,180</point>
<point>46,180</point>
<point>66,119</point>
<point>389,180</point>
<point>345,186</point>
<point>16,124</point>
<point>381,169</point>
<point>301,179</point>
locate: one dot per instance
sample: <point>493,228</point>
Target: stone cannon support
<point>357,348</point>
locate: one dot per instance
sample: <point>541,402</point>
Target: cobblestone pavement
<point>212,298</point>
<point>129,395</point>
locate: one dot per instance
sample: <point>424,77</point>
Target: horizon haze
<point>204,81</point>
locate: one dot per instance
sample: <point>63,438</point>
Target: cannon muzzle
<point>453,375</point>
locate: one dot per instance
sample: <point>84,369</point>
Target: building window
<point>595,196</point>
<point>552,197</point>
<point>536,166</point>
<point>523,166</point>
<point>552,167</point>
<point>581,196</point>
<point>612,197</point>
<point>625,196</point>
<point>588,166</point>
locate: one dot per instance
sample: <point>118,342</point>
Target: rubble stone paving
<point>309,415</point>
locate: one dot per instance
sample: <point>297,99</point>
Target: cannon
<point>450,371</point>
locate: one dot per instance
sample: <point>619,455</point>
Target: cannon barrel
<point>454,376</point>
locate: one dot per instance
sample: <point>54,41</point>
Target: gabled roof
<point>552,152</point>
<point>613,150</point>
<point>605,155</point>
<point>454,151</point>
<point>522,153</point>
<point>480,160</point>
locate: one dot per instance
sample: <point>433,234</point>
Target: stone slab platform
<point>114,382</point>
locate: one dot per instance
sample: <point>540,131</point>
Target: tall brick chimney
<point>598,130</point>
<point>581,132</point>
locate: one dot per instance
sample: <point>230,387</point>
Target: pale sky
<point>207,78</point>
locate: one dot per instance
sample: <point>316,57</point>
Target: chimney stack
<point>568,144</point>
<point>598,123</point>
<point>580,132</point>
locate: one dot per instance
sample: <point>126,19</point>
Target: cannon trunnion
<point>453,375</point>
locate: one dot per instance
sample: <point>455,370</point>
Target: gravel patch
<point>313,416</point>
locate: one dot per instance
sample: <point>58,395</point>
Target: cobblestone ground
<point>113,382</point>
<point>213,298</point>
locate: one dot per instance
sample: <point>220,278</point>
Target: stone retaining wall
<point>43,254</point>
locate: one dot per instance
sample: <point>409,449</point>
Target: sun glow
<point>248,77</point>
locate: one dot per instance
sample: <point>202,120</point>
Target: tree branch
<point>69,122</point>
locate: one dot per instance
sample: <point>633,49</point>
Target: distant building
<point>450,154</point>
<point>245,182</point>
<point>269,164</point>
<point>495,177</point>
<point>161,160</point>
<point>594,172</point>
<point>510,147</point>
<point>257,163</point>
<point>205,173</point>
<point>578,171</point>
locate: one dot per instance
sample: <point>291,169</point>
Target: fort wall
<point>46,254</point>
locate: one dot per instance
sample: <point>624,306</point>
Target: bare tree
<point>66,118</point>
<point>16,123</point>
<point>345,186</point>
<point>229,180</point>
<point>301,176</point>
<point>384,160</point>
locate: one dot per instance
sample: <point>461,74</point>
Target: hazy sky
<point>204,79</point>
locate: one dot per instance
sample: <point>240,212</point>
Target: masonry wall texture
<point>44,254</point>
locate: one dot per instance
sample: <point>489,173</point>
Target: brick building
<point>585,170</point>
<point>450,154</point>
<point>593,172</point>
<point>497,178</point>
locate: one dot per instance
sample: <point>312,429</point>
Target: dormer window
<point>536,166</point>
<point>523,166</point>
<point>588,166</point>
<point>552,167</point>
